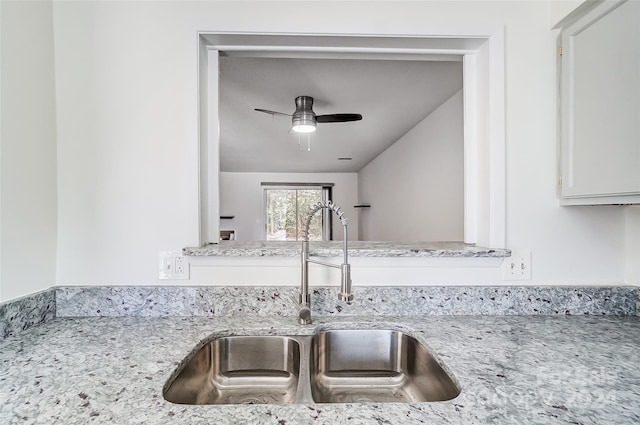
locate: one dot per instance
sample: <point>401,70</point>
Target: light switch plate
<point>518,266</point>
<point>173,265</point>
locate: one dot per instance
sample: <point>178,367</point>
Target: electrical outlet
<point>518,266</point>
<point>179,265</point>
<point>173,265</point>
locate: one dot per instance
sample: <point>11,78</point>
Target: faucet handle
<point>304,316</point>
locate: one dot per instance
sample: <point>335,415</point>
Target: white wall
<point>242,196</point>
<point>415,187</point>
<point>633,245</point>
<point>28,146</point>
<point>126,75</point>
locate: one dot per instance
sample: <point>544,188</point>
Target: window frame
<point>482,47</point>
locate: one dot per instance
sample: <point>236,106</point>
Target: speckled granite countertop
<point>513,370</point>
<point>334,249</point>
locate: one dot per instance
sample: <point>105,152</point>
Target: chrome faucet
<point>304,315</point>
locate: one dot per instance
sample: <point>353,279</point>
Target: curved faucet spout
<point>317,207</point>
<point>343,220</point>
<point>345,267</point>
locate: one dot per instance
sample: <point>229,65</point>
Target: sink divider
<point>303,393</point>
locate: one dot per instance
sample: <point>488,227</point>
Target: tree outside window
<point>286,210</point>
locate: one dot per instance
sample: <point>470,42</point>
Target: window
<point>286,209</point>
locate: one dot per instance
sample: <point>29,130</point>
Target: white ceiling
<point>392,96</point>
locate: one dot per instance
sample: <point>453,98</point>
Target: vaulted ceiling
<point>392,96</point>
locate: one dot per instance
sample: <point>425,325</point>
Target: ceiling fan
<point>304,120</point>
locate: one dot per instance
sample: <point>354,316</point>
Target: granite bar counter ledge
<point>521,355</point>
<point>356,249</point>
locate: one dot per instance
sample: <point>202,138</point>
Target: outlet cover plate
<point>173,266</point>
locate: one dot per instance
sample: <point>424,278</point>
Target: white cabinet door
<point>600,106</point>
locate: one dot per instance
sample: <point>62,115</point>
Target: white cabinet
<point>600,106</point>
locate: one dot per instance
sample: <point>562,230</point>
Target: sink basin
<point>239,370</point>
<point>333,366</point>
<point>352,366</point>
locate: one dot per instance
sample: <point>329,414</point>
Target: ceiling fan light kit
<point>304,120</point>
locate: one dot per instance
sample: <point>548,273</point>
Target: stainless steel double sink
<point>332,366</point>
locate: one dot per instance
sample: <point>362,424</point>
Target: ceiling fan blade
<point>266,111</point>
<point>338,117</point>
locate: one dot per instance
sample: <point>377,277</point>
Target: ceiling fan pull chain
<point>308,143</point>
